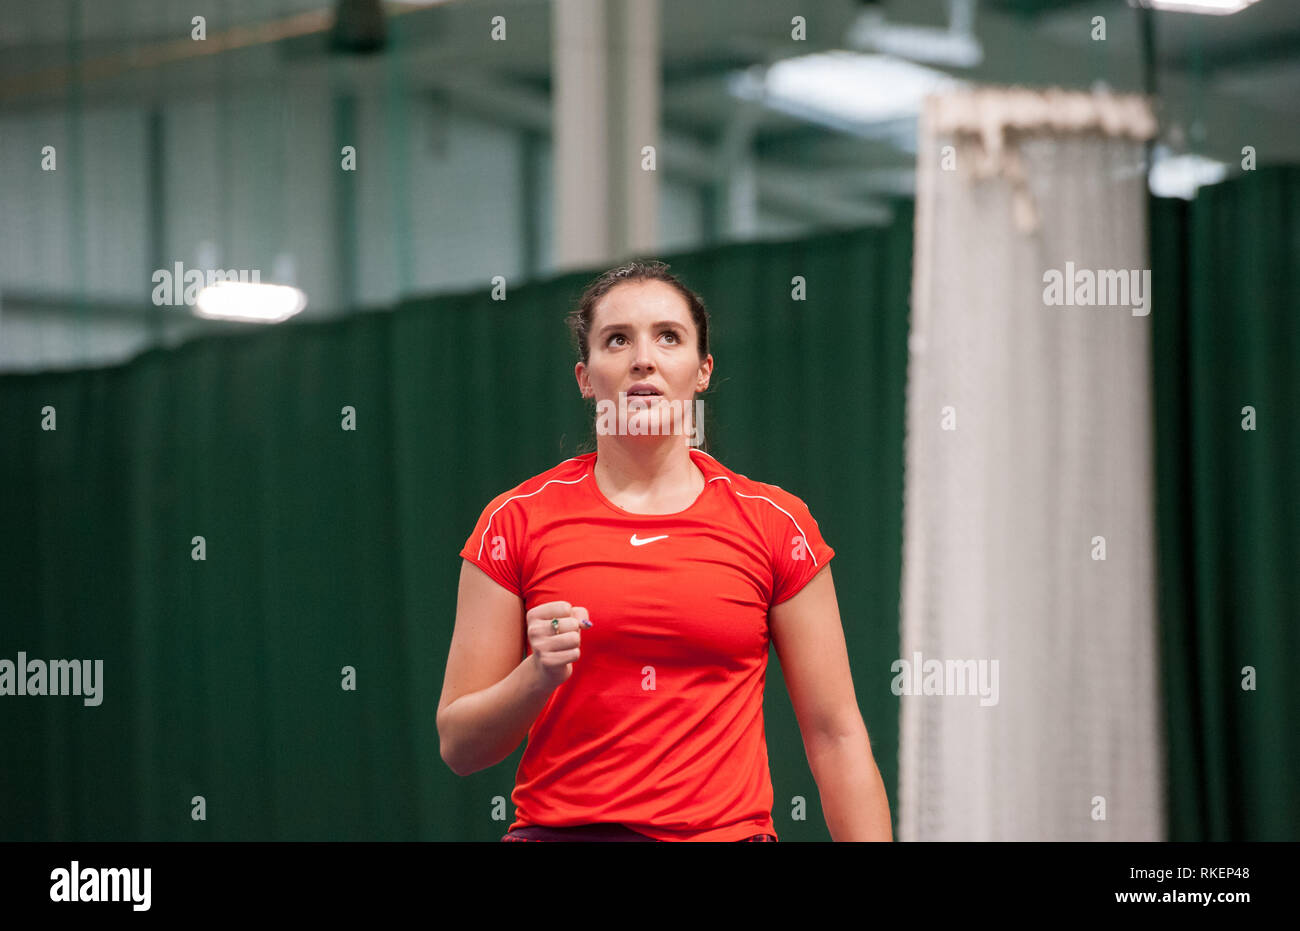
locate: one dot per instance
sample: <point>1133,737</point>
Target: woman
<point>649,579</point>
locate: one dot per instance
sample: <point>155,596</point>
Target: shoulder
<point>526,493</point>
<point>783,523</point>
<point>761,499</point>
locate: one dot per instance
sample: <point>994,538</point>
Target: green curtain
<point>1226,336</point>
<point>328,548</point>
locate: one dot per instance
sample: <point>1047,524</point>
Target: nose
<point>642,361</point>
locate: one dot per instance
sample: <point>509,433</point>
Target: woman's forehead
<point>636,299</point>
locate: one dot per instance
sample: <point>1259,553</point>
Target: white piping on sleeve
<point>483,538</point>
<point>802,535</point>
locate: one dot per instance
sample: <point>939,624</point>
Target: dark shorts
<point>595,833</point>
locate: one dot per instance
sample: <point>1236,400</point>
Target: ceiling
<point>1215,73</point>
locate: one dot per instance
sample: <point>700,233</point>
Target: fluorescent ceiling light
<point>1181,175</point>
<point>250,302</point>
<point>1215,7</point>
<point>849,87</point>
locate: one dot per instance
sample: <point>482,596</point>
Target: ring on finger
<point>555,625</point>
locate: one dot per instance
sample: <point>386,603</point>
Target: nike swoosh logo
<point>636,542</point>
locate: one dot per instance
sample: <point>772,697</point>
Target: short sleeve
<point>798,550</point>
<point>497,544</point>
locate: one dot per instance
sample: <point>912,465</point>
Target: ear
<point>706,372</point>
<point>584,384</point>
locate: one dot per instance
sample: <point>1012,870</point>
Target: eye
<point>613,336</point>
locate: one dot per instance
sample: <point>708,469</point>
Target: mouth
<point>643,390</point>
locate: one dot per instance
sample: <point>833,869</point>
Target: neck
<point>645,465</point>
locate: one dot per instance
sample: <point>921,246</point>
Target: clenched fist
<point>556,650</point>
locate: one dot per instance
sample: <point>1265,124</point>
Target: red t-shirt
<point>660,726</point>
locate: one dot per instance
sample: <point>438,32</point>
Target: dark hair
<point>580,317</point>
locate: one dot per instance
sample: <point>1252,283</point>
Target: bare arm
<point>493,690</point>
<point>491,693</point>
<point>809,640</point>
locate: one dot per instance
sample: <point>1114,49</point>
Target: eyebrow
<point>624,326</point>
